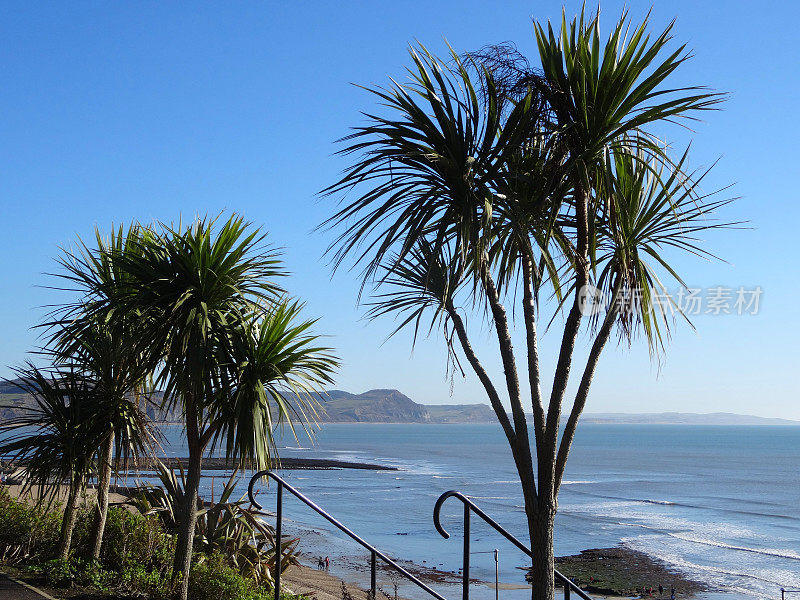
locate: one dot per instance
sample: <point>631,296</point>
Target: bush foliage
<point>214,579</point>
<point>28,534</point>
<point>136,560</point>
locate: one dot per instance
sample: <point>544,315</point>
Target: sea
<point>719,503</point>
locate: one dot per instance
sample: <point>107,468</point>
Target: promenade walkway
<point>12,590</point>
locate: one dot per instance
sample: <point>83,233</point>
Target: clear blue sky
<point>118,111</point>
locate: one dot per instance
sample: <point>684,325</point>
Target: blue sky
<point>119,111</point>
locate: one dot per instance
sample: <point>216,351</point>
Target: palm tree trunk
<point>68,521</point>
<point>540,526</point>
<point>188,516</point>
<point>103,484</point>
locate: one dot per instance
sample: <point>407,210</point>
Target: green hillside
<point>374,406</point>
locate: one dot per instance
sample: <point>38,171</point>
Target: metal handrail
<point>470,506</point>
<point>785,591</point>
<point>374,552</point>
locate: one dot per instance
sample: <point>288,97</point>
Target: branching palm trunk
<point>542,522</point>
<point>68,521</point>
<point>540,488</point>
<point>103,485</point>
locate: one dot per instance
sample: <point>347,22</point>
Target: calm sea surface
<point>721,503</point>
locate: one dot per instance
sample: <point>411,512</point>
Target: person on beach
<point>320,563</point>
<point>327,563</point>
<point>660,590</point>
<point>672,592</point>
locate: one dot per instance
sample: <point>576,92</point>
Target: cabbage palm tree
<point>56,439</point>
<point>473,193</point>
<point>225,344</point>
<point>83,332</point>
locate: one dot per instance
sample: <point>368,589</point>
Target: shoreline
<point>353,573</point>
<point>613,573</point>
<point>610,573</point>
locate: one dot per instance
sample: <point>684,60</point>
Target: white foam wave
<point>760,584</point>
<point>776,552</point>
<point>491,498</point>
<point>632,513</point>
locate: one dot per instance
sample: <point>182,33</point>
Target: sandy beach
<point>32,495</point>
<point>319,584</point>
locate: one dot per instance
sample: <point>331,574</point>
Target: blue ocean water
<point>721,503</point>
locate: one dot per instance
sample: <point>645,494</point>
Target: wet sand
<point>319,584</point>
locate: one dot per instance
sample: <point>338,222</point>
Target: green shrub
<point>140,552</point>
<point>132,539</point>
<point>136,559</point>
<point>214,579</point>
<point>28,533</point>
<point>77,571</point>
<point>90,573</point>
<point>59,573</point>
<point>138,580</point>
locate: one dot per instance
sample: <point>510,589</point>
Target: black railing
<point>375,554</point>
<point>785,591</point>
<point>470,507</point>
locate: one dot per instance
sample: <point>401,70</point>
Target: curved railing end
<point>253,479</point>
<point>438,507</point>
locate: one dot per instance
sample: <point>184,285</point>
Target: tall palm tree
<point>82,332</point>
<point>489,182</point>
<point>225,344</point>
<point>56,439</point>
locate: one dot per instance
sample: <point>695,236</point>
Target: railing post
<point>465,581</point>
<point>496,574</point>
<point>278,544</point>
<point>567,591</point>
<point>373,576</point>
<point>375,553</point>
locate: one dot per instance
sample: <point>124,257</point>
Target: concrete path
<point>16,590</point>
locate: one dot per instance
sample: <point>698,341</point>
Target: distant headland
<point>392,406</point>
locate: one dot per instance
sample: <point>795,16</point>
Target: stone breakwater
<point>222,464</point>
